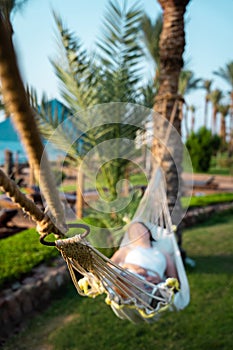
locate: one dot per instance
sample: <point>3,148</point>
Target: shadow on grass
<point>218,264</point>
<point>215,219</point>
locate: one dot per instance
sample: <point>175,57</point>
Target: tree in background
<point>215,97</point>
<point>113,74</point>
<point>192,109</point>
<point>224,111</point>
<point>187,83</point>
<point>152,31</point>
<point>201,146</point>
<point>207,86</point>
<point>226,74</point>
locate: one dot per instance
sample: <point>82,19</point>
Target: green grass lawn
<point>135,179</point>
<point>20,253</point>
<point>76,323</point>
<point>202,201</point>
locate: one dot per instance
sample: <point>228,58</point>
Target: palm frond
<point>152,31</point>
<point>73,69</point>
<point>226,73</point>
<point>187,82</point>
<point>120,49</point>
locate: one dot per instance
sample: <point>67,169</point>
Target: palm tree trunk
<point>186,120</point>
<point>222,133</point>
<point>206,111</point>
<point>172,42</point>
<point>230,148</point>
<point>192,121</point>
<point>214,120</point>
<point>16,102</point>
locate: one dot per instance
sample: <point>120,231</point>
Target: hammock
<point>130,296</point>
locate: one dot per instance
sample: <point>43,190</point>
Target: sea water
<point>17,150</point>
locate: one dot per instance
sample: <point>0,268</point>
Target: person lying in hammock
<point>143,258</point>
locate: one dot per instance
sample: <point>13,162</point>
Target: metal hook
<point>83,235</point>
<point>85,227</point>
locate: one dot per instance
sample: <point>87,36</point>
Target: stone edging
<point>32,294</point>
<point>198,215</point>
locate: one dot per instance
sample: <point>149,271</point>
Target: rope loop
<point>44,229</point>
<point>45,226</point>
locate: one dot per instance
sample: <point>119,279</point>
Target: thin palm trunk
<point>230,148</point>
<point>223,128</point>
<point>206,111</point>
<point>214,120</point>
<point>192,122</point>
<point>172,42</point>
<point>16,101</point>
<point>186,120</point>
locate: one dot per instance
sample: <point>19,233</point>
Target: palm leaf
<point>119,45</point>
<point>226,73</point>
<point>73,69</point>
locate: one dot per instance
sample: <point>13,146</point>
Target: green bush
<point>224,162</point>
<point>201,146</point>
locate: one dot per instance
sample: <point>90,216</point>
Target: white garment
<point>150,259</point>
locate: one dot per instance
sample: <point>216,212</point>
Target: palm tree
<point>187,83</point>
<point>215,97</point>
<point>171,48</point>
<point>223,110</point>
<point>226,73</point>
<point>207,86</point>
<point>16,101</point>
<point>152,31</point>
<point>193,110</point>
<point>113,76</point>
<point>184,117</point>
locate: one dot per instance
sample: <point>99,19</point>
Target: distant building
<point>9,138</point>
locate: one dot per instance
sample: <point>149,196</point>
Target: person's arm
<point>119,256</point>
<point>171,269</point>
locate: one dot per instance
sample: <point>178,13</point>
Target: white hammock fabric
<point>153,212</point>
<point>130,296</point>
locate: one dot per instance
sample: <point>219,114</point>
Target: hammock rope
<point>44,224</point>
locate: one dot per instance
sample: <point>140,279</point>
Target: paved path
<point>224,183</point>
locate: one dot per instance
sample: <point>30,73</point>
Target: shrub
<point>201,146</point>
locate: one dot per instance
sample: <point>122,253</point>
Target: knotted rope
<point>44,224</point>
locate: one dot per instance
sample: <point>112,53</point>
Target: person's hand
<point>136,269</point>
<point>153,279</point>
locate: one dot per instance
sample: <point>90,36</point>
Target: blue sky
<point>209,27</point>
